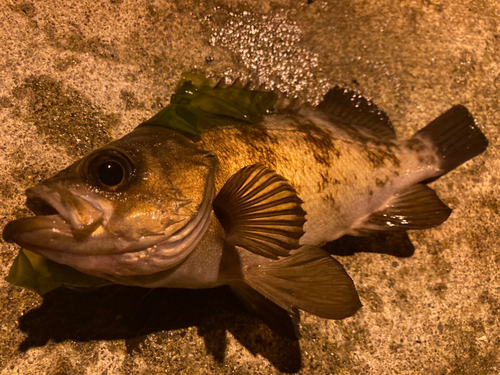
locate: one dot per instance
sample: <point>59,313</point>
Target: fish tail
<point>308,279</point>
<point>456,137</point>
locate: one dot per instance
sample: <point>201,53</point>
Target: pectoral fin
<point>260,211</point>
<point>308,279</point>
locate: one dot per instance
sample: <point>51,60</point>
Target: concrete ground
<point>75,75</point>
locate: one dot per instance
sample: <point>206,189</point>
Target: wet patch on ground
<point>63,115</point>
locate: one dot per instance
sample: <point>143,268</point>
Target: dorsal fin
<point>354,112</point>
<point>260,211</point>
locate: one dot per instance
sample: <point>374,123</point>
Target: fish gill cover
<point>198,104</point>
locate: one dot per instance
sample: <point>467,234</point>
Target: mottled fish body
<point>246,205</point>
<point>340,179</point>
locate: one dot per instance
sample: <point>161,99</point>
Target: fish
<point>226,186</point>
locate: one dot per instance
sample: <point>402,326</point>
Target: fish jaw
<point>75,223</point>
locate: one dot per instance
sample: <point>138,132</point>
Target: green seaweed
<point>41,275</point>
<point>198,104</point>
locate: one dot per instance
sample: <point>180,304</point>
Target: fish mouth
<point>61,215</point>
<point>70,222</point>
<point>40,207</point>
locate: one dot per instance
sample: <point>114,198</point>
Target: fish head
<point>136,206</point>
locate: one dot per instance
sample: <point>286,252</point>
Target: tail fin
<point>456,137</point>
<point>308,279</point>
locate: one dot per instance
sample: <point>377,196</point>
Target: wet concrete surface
<point>74,76</point>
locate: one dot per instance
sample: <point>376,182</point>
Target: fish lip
<point>43,205</point>
<point>76,208</point>
<point>40,206</point>
<point>15,231</point>
<point>43,200</point>
<point>55,209</point>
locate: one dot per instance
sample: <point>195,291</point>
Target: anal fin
<point>417,207</point>
<point>308,279</point>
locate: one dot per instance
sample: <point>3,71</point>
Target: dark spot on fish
<point>321,159</point>
<point>329,198</point>
<point>323,184</point>
<point>321,142</point>
<point>391,150</point>
<point>375,159</point>
<point>370,193</point>
<point>379,182</point>
<point>326,181</point>
<point>63,115</point>
<point>415,144</point>
<point>379,157</point>
<point>260,142</point>
<point>427,159</point>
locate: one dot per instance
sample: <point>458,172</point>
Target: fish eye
<point>110,173</point>
<point>111,170</point>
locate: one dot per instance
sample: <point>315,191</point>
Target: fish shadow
<point>395,243</point>
<point>130,313</point>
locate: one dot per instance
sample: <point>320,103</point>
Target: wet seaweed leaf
<point>198,104</point>
<point>41,275</point>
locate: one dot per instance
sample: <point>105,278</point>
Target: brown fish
<point>246,205</point>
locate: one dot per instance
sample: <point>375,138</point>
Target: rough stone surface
<point>74,75</point>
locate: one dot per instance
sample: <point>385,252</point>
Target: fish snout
<point>78,209</point>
